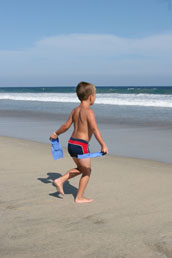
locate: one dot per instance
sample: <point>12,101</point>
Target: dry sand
<point>131,215</point>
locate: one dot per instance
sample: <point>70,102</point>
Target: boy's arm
<point>93,125</point>
<point>64,127</point>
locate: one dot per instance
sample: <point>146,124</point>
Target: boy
<point>84,126</point>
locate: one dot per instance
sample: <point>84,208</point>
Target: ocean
<point>135,121</point>
<point>122,96</point>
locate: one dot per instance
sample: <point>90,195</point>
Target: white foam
<point>45,97</point>
<point>148,100</point>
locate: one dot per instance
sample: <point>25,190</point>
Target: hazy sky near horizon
<point>107,42</point>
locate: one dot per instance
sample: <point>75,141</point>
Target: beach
<point>131,186</point>
<point>135,122</point>
<point>127,137</point>
<point>102,86</point>
<point>130,216</point>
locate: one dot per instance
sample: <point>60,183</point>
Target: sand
<point>124,137</point>
<point>131,215</point>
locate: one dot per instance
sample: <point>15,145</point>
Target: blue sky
<point>112,42</point>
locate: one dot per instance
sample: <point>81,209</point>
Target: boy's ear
<point>90,98</point>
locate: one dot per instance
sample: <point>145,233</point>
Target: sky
<point>106,42</point>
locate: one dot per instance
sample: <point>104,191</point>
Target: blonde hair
<point>84,90</point>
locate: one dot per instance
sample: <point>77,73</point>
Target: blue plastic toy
<point>91,155</point>
<point>56,149</point>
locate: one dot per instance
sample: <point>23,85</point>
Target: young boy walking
<point>85,125</point>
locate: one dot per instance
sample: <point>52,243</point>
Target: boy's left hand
<point>104,149</point>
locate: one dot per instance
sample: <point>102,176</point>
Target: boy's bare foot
<point>59,185</point>
<point>83,200</point>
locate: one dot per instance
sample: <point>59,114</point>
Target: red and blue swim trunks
<point>77,147</point>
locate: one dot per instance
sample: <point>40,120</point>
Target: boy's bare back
<point>82,127</point>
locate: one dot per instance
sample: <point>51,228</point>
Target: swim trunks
<point>77,147</point>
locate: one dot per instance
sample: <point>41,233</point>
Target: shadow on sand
<point>67,187</point>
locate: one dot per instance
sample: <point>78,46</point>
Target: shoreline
<point>48,144</point>
<point>124,139</point>
<point>129,216</point>
<point>117,122</point>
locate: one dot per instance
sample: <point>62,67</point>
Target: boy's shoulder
<point>88,111</point>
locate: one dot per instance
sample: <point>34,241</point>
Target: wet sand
<point>130,217</point>
<point>124,137</point>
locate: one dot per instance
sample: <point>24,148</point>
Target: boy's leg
<point>84,166</point>
<point>69,174</point>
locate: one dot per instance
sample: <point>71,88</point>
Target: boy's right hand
<point>104,149</point>
<point>53,136</point>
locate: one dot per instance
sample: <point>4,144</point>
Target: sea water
<point>121,96</point>
<point>135,121</point>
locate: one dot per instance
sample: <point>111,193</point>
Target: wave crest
<point>147,100</point>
